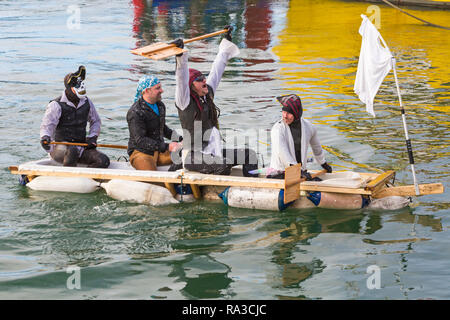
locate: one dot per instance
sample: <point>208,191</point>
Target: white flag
<point>373,65</point>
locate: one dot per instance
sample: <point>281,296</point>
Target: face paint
<point>80,88</point>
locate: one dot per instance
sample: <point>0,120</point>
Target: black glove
<point>327,167</point>
<point>180,138</point>
<point>91,142</point>
<point>45,142</point>
<point>306,175</point>
<point>163,147</point>
<point>180,44</point>
<point>228,34</point>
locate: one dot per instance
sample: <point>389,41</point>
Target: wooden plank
<point>292,178</point>
<point>171,188</point>
<point>231,181</point>
<point>335,189</point>
<point>380,180</point>
<point>188,178</point>
<point>196,191</point>
<point>99,176</point>
<point>405,191</point>
<point>13,169</point>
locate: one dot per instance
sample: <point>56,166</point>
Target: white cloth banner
<point>373,65</point>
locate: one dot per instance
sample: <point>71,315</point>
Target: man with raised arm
<point>194,99</point>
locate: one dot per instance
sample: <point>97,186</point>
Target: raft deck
<point>371,184</point>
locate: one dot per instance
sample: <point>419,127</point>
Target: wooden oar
<point>163,50</point>
<point>114,146</point>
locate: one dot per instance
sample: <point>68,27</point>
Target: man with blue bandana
<point>147,125</point>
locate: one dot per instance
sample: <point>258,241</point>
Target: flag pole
<point>408,141</point>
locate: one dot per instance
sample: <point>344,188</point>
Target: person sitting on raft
<point>147,126</point>
<point>194,99</point>
<point>65,120</point>
<point>291,137</point>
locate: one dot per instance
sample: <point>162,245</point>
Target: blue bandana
<point>144,83</point>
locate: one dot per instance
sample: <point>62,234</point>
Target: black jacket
<point>147,129</point>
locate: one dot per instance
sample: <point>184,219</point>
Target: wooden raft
<point>292,185</point>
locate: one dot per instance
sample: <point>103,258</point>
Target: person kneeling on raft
<point>147,126</point>
<point>291,137</point>
<point>65,120</point>
<point>194,99</point>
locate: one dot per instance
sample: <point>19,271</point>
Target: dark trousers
<point>204,163</point>
<point>69,157</point>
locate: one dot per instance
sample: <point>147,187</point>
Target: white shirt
<point>283,149</point>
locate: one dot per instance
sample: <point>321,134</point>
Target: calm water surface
<point>206,250</point>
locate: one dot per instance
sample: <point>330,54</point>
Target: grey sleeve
<point>182,91</point>
<point>50,120</point>
<point>94,121</point>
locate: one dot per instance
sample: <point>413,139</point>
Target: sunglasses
<point>200,78</point>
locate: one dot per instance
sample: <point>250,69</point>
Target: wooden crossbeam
<point>407,191</point>
<point>155,176</point>
<point>380,180</point>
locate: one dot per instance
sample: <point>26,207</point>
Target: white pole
<point>408,141</point>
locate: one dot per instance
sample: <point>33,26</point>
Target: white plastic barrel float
<point>273,199</point>
<point>64,184</point>
<point>254,198</point>
<point>140,192</point>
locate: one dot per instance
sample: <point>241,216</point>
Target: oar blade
<point>158,51</point>
<point>158,55</point>
<point>161,50</point>
<point>151,48</point>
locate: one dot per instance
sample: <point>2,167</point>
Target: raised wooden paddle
<point>114,146</point>
<point>163,50</point>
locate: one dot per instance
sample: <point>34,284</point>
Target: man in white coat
<point>291,137</point>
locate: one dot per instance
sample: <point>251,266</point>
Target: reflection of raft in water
<point>342,190</point>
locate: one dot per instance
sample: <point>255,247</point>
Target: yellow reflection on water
<point>318,52</point>
<point>320,47</point>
